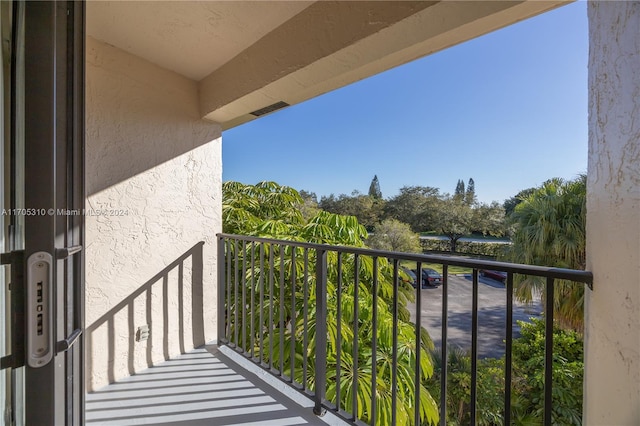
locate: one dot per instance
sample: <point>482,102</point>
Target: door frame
<point>54,189</point>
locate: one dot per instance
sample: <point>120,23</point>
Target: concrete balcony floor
<point>202,387</point>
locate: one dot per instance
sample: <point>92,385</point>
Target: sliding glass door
<point>43,186</point>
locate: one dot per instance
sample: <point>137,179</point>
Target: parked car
<point>495,275</point>
<point>406,275</point>
<point>430,277</point>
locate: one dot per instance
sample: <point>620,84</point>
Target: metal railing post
<point>321,331</point>
<point>548,352</point>
<point>221,291</point>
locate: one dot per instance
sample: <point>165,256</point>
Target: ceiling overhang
<point>247,56</point>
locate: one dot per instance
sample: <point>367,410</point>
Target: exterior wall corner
<point>612,316</point>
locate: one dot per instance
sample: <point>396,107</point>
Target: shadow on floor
<point>197,388</point>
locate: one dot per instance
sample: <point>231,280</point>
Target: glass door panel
<point>41,380</point>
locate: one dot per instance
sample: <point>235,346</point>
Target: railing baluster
<point>356,314</point>
<point>251,300</point>
<point>474,347</point>
<point>444,363</point>
<point>548,352</point>
<point>508,349</point>
<point>394,350</point>
<point>281,325</point>
<point>339,331</point>
<point>221,294</point>
<point>374,343</point>
<point>293,315</point>
<point>417,379</point>
<point>305,313</point>
<point>235,292</point>
<point>228,310</point>
<point>271,298</point>
<point>321,332</point>
<point>244,297</point>
<point>261,317</point>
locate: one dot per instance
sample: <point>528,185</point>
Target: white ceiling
<point>173,34</point>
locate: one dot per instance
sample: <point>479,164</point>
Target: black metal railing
<point>331,321</point>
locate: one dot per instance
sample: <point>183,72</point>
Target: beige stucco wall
<point>612,341</point>
<point>153,177</point>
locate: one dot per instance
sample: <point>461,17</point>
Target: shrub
<point>527,388</point>
<point>488,249</point>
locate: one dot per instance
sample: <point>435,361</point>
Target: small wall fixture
<point>142,334</point>
<point>270,108</point>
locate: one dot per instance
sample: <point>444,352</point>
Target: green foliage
<point>374,188</point>
<point>511,203</point>
<point>470,194</point>
<point>459,192</point>
<point>309,207</point>
<point>568,370</point>
<point>415,206</point>
<point>262,209</point>
<point>527,391</point>
<point>282,317</point>
<point>456,219</point>
<point>368,210</point>
<point>479,248</point>
<point>393,235</point>
<point>549,230</point>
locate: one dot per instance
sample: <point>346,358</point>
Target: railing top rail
<point>541,271</point>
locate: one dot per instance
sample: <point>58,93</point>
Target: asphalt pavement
<point>492,309</point>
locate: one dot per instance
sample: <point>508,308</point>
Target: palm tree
<point>549,230</point>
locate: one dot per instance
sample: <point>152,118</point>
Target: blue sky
<point>508,109</point>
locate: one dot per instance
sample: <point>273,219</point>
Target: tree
<point>393,235</point>
<point>366,209</point>
<point>309,206</point>
<point>270,210</point>
<point>374,188</point>
<point>470,195</point>
<point>308,195</point>
<point>415,206</point>
<point>459,193</point>
<point>511,203</point>
<point>264,208</point>
<point>549,230</point>
<point>456,219</point>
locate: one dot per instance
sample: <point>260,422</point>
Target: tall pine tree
<point>374,188</point>
<point>459,194</point>
<point>470,196</point>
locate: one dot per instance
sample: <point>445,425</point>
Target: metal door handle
<point>39,309</point>
<point>64,345</point>
<point>63,253</point>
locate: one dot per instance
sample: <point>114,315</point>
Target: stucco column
<point>612,338</point>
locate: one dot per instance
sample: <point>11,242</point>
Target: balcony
<point>318,317</point>
<point>285,357</point>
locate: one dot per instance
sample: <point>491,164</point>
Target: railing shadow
<point>201,387</point>
<point>160,304</point>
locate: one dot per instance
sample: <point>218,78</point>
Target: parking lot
<point>491,314</point>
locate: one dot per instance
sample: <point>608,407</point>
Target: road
<point>464,239</point>
<point>491,314</point>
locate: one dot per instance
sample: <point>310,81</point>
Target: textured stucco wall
<point>612,341</point>
<point>158,166</point>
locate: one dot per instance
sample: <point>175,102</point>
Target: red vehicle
<point>495,275</point>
